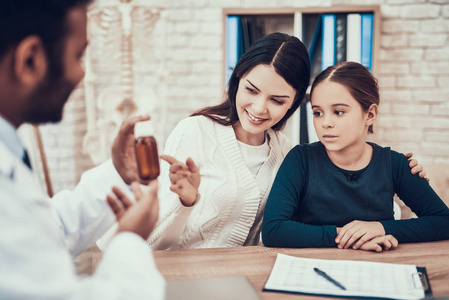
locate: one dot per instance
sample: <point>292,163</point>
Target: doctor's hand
<point>357,233</point>
<point>416,167</point>
<point>381,243</point>
<point>123,151</point>
<point>185,179</point>
<point>138,217</point>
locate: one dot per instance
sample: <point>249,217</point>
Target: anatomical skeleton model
<point>125,71</point>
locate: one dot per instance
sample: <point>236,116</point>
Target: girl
<point>323,187</point>
<point>234,149</point>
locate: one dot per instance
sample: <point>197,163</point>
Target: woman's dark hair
<point>289,58</point>
<point>357,79</point>
<point>46,19</point>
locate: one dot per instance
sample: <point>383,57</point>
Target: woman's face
<point>263,98</point>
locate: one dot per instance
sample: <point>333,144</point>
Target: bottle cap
<point>144,128</point>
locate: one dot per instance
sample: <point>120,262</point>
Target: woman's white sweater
<point>232,200</point>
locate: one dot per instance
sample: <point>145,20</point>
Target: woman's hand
<point>357,233</point>
<point>185,179</point>
<point>416,168</point>
<point>380,243</point>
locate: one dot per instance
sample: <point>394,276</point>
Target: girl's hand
<point>380,243</point>
<point>185,179</point>
<point>358,232</point>
<point>416,168</point>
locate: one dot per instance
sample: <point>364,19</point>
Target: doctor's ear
<point>30,61</point>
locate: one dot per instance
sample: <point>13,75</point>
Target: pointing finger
<point>169,159</point>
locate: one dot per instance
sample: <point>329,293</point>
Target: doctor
<point>41,46</point>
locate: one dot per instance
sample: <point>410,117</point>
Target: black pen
<point>322,273</point>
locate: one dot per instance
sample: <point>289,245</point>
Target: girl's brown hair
<point>357,79</point>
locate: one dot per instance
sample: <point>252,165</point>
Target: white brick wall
<point>399,26</point>
<point>413,76</point>
<point>414,82</point>
<point>420,11</point>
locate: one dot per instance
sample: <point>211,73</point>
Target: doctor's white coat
<point>39,238</point>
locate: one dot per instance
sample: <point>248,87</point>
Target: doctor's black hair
<point>46,19</point>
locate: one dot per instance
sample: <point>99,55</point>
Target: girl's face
<point>263,98</point>
<point>339,119</point>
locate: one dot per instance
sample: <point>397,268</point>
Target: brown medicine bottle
<point>146,151</point>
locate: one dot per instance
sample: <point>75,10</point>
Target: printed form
<point>344,278</point>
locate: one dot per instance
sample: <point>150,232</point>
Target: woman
<point>238,148</point>
<point>233,149</point>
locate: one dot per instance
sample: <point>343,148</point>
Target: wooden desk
<point>256,262</point>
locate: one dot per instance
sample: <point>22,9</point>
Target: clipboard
<point>422,274</point>
<point>394,281</point>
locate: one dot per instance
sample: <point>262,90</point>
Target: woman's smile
<point>255,119</point>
